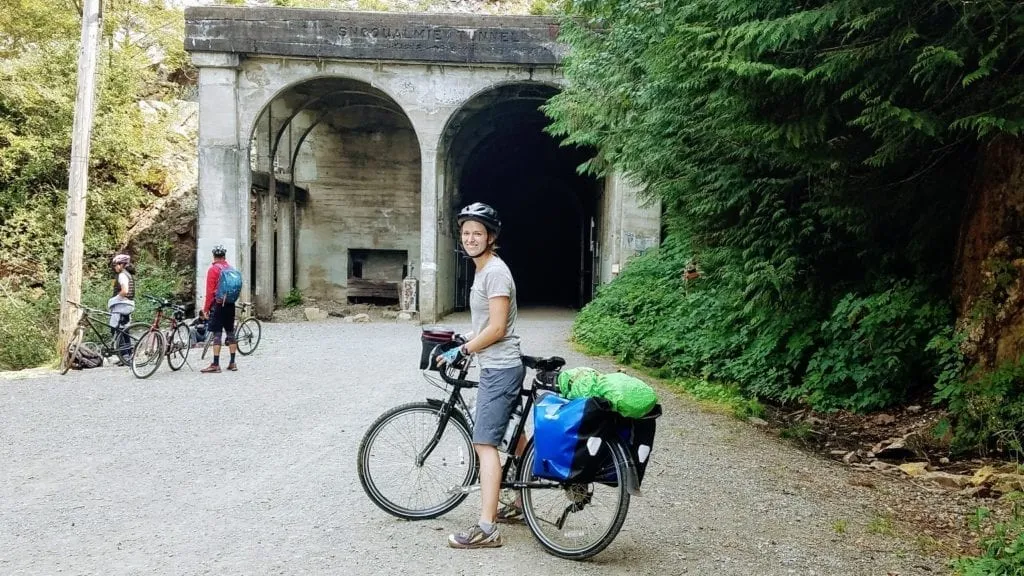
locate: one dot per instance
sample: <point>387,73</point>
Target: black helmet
<point>219,251</point>
<point>483,214</point>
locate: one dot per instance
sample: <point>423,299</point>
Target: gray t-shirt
<point>495,279</point>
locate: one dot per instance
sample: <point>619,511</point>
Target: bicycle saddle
<point>544,364</point>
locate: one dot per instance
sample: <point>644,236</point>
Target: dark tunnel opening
<point>548,211</point>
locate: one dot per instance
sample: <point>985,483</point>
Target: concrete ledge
<point>454,38</point>
<point>215,60</point>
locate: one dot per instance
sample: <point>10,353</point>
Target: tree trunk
<point>989,284</point>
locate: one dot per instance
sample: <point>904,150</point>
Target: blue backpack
<point>229,285</point>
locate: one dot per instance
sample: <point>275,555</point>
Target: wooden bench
<point>365,288</point>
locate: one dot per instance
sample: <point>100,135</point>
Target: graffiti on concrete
<point>639,243</point>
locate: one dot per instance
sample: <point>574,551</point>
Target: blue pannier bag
<point>229,285</point>
<point>565,433</point>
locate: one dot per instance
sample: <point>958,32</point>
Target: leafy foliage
<point>141,49</point>
<point>141,44</point>
<point>1003,545</point>
<point>293,298</point>
<point>812,159</point>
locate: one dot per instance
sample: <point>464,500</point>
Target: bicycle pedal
<point>464,489</point>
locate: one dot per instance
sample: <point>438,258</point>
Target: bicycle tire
<point>206,345</point>
<point>178,346</point>
<point>148,354</point>
<point>575,494</point>
<point>135,331</point>
<point>69,353</point>
<point>457,454</point>
<point>248,332</point>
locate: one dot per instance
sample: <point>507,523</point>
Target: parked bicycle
<point>248,331</point>
<point>120,343</point>
<point>417,461</point>
<point>155,344</point>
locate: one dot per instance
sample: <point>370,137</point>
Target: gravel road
<point>254,473</point>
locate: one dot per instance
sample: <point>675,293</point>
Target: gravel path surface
<point>254,473</point>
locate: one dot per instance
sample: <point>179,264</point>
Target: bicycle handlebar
<point>546,377</point>
<point>86,308</point>
<point>165,303</point>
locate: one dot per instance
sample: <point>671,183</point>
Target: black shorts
<point>222,317</point>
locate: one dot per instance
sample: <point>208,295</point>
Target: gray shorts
<point>499,389</point>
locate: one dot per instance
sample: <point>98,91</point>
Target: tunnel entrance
<point>503,157</point>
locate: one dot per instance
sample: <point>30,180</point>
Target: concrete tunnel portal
<point>500,154</point>
<point>336,147</point>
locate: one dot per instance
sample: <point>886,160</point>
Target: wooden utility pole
<point>78,177</point>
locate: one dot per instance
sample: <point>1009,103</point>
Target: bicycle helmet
<point>121,259</point>
<point>483,214</point>
<point>219,251</point>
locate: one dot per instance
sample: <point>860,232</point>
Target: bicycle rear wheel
<point>390,474</point>
<point>248,336</point>
<point>178,346</point>
<point>67,359</point>
<point>148,353</point>
<point>576,520</point>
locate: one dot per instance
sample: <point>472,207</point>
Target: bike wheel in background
<point>67,359</point>
<point>148,354</point>
<point>248,336</point>
<point>133,332</point>
<point>178,346</point>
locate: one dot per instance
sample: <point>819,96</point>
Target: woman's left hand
<point>450,356</point>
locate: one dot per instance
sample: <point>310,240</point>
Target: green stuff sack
<point>577,382</point>
<point>629,396</point>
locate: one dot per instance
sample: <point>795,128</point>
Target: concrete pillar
<point>629,226</point>
<point>222,219</point>
<point>265,251</point>
<point>428,232</point>
<point>285,246</point>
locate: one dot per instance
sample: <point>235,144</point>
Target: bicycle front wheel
<point>248,336</point>
<point>178,346</point>
<point>391,475</point>
<point>579,519</point>
<point>148,353</point>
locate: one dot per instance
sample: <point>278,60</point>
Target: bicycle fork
<point>445,411</point>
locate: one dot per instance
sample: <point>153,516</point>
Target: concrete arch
<point>327,98</point>
<point>261,95</point>
<point>507,111</point>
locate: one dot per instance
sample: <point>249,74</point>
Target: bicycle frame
<point>107,341</point>
<point>456,402</point>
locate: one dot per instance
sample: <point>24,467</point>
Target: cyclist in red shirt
<point>220,315</point>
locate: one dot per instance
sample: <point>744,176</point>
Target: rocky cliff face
<point>166,230</point>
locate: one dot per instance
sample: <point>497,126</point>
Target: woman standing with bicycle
<point>122,302</point>
<point>492,305</point>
